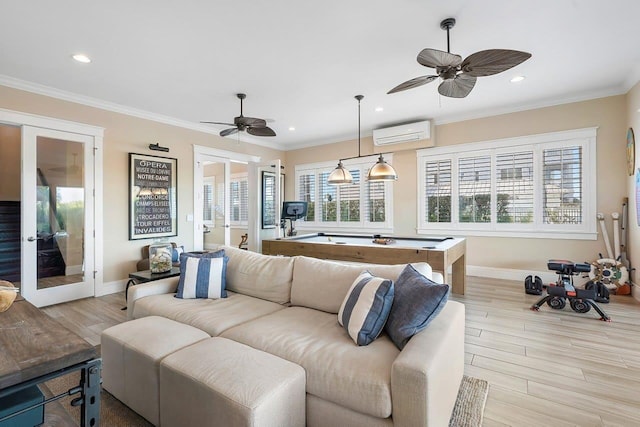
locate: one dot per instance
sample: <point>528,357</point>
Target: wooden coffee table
<point>35,348</point>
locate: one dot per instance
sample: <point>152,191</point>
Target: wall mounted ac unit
<point>403,133</point>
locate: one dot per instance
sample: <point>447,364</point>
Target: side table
<point>145,276</point>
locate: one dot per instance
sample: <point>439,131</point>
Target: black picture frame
<point>269,219</point>
<point>153,196</point>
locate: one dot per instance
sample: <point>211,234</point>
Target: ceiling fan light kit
<point>381,171</point>
<point>251,125</point>
<point>458,75</point>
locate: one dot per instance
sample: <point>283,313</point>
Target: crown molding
<point>498,111</point>
<point>64,95</point>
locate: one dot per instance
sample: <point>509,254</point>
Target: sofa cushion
<point>211,315</point>
<point>417,302</point>
<point>202,275</point>
<point>261,276</point>
<point>358,378</point>
<point>366,307</point>
<point>323,284</point>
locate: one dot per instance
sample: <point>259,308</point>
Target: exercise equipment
<point>580,300</point>
<point>602,292</point>
<point>533,285</point>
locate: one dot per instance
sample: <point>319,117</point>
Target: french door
<point>211,201</point>
<point>57,220</point>
<point>266,190</point>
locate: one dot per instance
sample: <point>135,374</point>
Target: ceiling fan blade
<point>260,131</point>
<point>219,123</point>
<point>458,87</point>
<point>228,132</point>
<point>410,84</point>
<point>493,61</point>
<point>251,121</point>
<point>435,58</point>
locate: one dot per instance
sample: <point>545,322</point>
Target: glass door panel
<point>57,198</point>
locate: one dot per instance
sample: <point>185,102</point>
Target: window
<point>208,201</point>
<point>535,186</point>
<point>239,200</point>
<point>362,205</point>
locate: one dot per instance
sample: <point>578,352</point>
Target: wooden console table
<point>35,348</point>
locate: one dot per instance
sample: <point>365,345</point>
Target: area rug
<point>113,413</point>
<point>469,408</point>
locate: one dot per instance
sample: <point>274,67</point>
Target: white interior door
<point>57,216</point>
<point>266,191</point>
<point>211,195</point>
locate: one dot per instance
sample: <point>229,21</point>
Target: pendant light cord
<point>359,98</point>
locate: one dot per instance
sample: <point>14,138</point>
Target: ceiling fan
<point>252,125</point>
<point>458,76</point>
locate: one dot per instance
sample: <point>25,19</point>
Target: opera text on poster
<point>153,196</point>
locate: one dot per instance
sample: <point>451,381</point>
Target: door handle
<point>31,239</point>
<point>227,226</point>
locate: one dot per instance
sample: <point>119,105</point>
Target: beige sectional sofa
<point>288,307</point>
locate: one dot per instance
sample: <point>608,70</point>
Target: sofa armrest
<point>157,287</point>
<point>437,277</point>
<point>426,375</point>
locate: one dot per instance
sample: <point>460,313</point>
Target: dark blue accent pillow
<point>417,301</point>
<point>202,275</point>
<point>176,252</point>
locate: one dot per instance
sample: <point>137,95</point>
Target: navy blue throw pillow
<point>417,301</point>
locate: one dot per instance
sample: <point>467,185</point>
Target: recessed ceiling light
<point>291,128</point>
<point>81,58</point>
<point>517,79</point>
<point>378,109</point>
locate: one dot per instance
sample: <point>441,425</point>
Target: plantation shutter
<point>207,200</point>
<point>307,193</point>
<point>562,186</point>
<point>474,189</point>
<point>234,196</point>
<point>514,187</point>
<point>350,199</point>
<point>244,201</point>
<point>327,199</point>
<point>375,204</point>
<point>438,191</point>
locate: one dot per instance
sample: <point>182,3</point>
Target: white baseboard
<point>518,275</point>
<point>110,287</point>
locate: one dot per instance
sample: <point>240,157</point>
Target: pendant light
<point>381,171</point>
<point>340,176</point>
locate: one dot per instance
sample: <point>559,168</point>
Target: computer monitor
<point>294,210</point>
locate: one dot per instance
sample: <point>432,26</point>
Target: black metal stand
<point>89,389</point>
<point>587,302</point>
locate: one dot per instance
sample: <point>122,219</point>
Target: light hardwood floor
<point>546,368</point>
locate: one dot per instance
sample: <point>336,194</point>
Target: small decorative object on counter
<point>8,294</point>
<point>160,257</point>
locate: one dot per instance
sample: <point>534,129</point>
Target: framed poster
<point>269,219</point>
<point>153,196</point>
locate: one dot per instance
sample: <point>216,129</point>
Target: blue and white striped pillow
<point>366,307</point>
<point>202,275</point>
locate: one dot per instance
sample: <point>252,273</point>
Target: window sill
<point>343,228</point>
<point>518,234</point>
